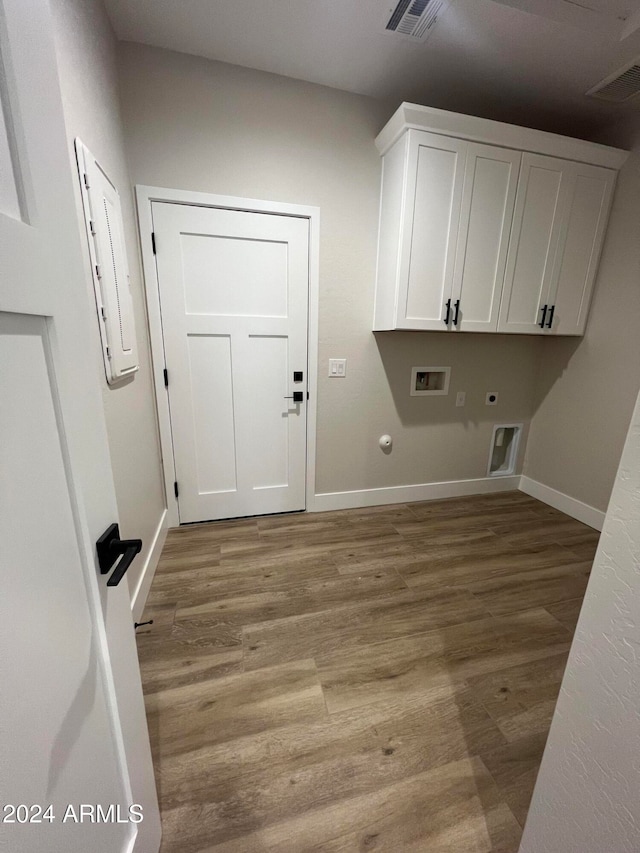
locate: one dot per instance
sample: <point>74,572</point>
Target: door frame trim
<point>145,196</point>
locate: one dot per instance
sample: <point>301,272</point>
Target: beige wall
<point>86,49</point>
<point>207,126</point>
<point>587,387</point>
<point>586,797</point>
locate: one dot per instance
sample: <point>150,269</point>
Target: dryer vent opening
<point>503,454</point>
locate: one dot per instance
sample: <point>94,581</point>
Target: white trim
<point>565,503</point>
<point>485,131</point>
<point>139,597</point>
<point>416,492</point>
<point>144,198</point>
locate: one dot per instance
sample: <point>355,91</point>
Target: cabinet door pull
<point>448,312</point>
<point>544,317</point>
<point>455,316</point>
<point>551,313</point>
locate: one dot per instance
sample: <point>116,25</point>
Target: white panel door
<point>73,728</point>
<point>432,215</point>
<point>234,296</point>
<point>488,198</point>
<point>540,204</point>
<point>579,247</point>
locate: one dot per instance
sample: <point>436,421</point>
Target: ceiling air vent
<point>415,18</point>
<point>620,87</point>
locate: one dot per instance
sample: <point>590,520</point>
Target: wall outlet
<point>461,398</point>
<point>491,399</point>
<point>337,367</point>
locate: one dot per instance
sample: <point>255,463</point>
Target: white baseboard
<point>565,503</point>
<point>139,598</point>
<point>418,492</point>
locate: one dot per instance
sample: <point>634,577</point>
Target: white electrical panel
<point>110,270</point>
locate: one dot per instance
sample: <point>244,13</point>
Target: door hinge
<point>166,378</point>
<point>307,395</point>
<point>153,242</point>
<point>175,488</point>
<point>98,273</point>
<point>86,180</point>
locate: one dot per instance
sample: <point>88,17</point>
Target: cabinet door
<point>488,198</point>
<point>539,212</point>
<point>431,218</point>
<point>580,243</point>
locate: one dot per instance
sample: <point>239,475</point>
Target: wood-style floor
<point>373,679</point>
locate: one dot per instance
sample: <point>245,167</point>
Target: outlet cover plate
<point>337,368</point>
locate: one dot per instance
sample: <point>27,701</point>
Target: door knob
<point>109,547</point>
<point>297,397</point>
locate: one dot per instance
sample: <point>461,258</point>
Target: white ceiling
<point>525,61</point>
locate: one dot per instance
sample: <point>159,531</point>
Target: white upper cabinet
<point>484,229</point>
<point>490,181</point>
<point>435,173</point>
<point>558,230</point>
<point>534,237</point>
<point>579,247</point>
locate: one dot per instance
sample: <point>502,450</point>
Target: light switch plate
<point>461,398</point>
<point>337,368</point>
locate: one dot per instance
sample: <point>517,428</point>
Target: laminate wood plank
<point>169,584</point>
<point>332,536</point>
<point>445,531</point>
<point>533,720</point>
<point>213,531</point>
<point>514,768</point>
<point>513,690</point>
<point>445,657</point>
<point>388,514</point>
<point>235,577</point>
<point>276,775</point>
<point>543,530</point>
<point>270,551</point>
<point>359,557</point>
<point>233,706</point>
<point>367,561</point>
<point>293,531</point>
<point>435,520</point>
<point>416,533</point>
<point>166,663</point>
<point>187,560</point>
<point>162,614</point>
<point>472,563</point>
<point>566,612</point>
<point>533,588</point>
<point>405,612</point>
<point>291,601</point>
<point>186,641</point>
<point>448,810</point>
<point>170,656</point>
<point>584,544</point>
<point>472,504</point>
